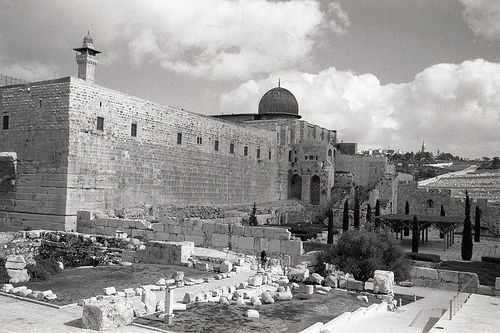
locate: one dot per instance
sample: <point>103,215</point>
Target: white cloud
<point>455,107</point>
<point>341,20</point>
<point>483,17</point>
<point>29,71</point>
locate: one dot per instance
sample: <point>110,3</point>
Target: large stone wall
<point>112,169</point>
<point>204,233</point>
<point>38,137</point>
<point>427,201</point>
<point>367,170</point>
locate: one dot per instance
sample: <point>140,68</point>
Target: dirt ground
<point>73,284</point>
<point>287,316</point>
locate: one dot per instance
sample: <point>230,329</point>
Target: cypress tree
<point>345,216</point>
<point>252,220</point>
<point>356,214</point>
<point>407,208</point>
<point>441,235</point>
<point>477,225</point>
<point>330,227</point>
<point>368,214</point>
<point>415,235</point>
<point>467,233</point>
<point>377,212</point>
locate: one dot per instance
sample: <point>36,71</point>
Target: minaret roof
<point>88,44</point>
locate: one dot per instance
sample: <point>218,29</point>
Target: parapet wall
<point>204,233</point>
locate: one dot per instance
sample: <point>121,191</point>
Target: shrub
<point>4,277</point>
<point>42,269</point>
<point>362,252</point>
<point>493,260</point>
<point>423,257</point>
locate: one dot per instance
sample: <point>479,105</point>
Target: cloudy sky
<point>384,73</point>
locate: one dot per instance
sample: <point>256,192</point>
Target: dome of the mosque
<point>279,101</point>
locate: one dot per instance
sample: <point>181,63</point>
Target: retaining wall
<point>444,279</point>
<point>204,233</point>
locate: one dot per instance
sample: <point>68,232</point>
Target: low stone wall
<point>204,233</point>
<point>445,279</point>
<point>166,253</point>
<point>72,248</point>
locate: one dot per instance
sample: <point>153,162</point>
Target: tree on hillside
<point>345,216</point>
<point>377,212</point>
<point>414,235</point>
<point>477,225</point>
<point>356,214</point>
<point>252,220</point>
<point>330,227</point>
<point>467,233</point>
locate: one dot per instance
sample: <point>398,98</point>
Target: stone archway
<point>296,187</point>
<point>315,190</point>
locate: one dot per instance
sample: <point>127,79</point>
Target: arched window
<point>330,157</point>
<point>430,203</point>
<point>315,190</point>
<point>295,187</point>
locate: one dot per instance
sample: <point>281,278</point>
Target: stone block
<point>368,286</point>
<point>220,240</point>
<point>274,246</point>
<point>291,247</point>
<point>497,283</point>
<point>246,243</point>
<point>426,273</point>
<point>237,230</point>
<point>208,227</point>
<point>263,244</point>
<point>148,297</point>
<point>355,285</point>
<point>255,280</point>
<point>446,276</point>
<point>20,275</point>
<point>468,282</point>
<point>342,282</point>
<point>225,267</point>
<point>331,281</point>
<point>197,240</point>
<point>383,282</point>
<point>105,315</point>
<point>298,274</point>
<point>109,291</point>
<point>258,232</point>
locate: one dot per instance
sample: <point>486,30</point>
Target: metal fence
<point>6,80</point>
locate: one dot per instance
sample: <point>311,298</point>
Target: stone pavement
<point>488,247</point>
<point>480,314</point>
<point>24,317</point>
<point>412,318</point>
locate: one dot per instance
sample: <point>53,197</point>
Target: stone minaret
<point>87,58</point>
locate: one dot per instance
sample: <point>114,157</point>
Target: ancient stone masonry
<point>75,150</point>
<point>428,201</point>
<point>238,238</point>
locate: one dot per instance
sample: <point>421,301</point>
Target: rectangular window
<point>245,151</point>
<point>133,130</point>
<point>179,138</point>
<point>289,156</point>
<point>5,122</point>
<point>100,123</point>
<point>231,148</point>
<point>258,152</point>
<point>216,145</point>
<point>199,140</point>
<point>270,154</point>
<point>40,103</point>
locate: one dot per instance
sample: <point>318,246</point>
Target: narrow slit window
<point>216,145</point>
<point>100,123</point>
<point>258,152</point>
<point>133,130</point>
<point>245,151</point>
<point>100,104</point>
<point>270,154</point>
<point>40,103</point>
<point>231,148</point>
<point>289,156</point>
<point>199,140</point>
<point>179,138</point>
<point>5,125</point>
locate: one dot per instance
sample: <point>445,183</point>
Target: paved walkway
<point>480,314</point>
<point>414,317</point>
<point>488,247</point>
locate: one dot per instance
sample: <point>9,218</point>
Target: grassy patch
<point>288,316</point>
<point>486,271</point>
<point>73,284</point>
